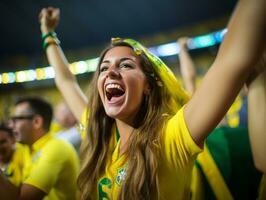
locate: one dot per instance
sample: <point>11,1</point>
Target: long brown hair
<point>143,150</point>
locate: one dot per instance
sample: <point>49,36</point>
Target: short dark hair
<point>5,128</point>
<point>40,107</point>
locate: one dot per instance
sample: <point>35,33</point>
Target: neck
<point>36,136</point>
<point>125,130</point>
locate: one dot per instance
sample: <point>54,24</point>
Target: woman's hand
<point>49,19</point>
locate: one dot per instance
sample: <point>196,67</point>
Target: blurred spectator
<point>243,112</point>
<point>257,119</point>
<point>54,164</point>
<point>13,156</point>
<point>68,125</point>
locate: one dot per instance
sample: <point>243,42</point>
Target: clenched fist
<point>49,19</point>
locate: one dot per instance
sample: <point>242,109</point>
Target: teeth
<point>114,85</point>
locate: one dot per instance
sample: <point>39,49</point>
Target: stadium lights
<point>90,65</point>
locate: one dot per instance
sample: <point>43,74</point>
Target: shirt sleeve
<point>178,146</point>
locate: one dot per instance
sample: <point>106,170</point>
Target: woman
<point>141,141</point>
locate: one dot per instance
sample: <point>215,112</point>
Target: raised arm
<point>240,50</point>
<point>187,67</point>
<point>257,118</point>
<point>64,79</point>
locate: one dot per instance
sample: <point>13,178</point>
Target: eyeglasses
<point>22,117</point>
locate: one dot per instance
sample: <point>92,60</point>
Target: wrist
<point>46,30</point>
<point>49,34</point>
<point>183,49</point>
<point>50,38</point>
<point>50,41</point>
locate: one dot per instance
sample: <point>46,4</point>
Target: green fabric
<point>231,151</point>
<point>51,33</point>
<point>117,134</point>
<point>219,148</point>
<point>208,193</point>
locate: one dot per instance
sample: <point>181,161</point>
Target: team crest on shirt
<point>121,175</point>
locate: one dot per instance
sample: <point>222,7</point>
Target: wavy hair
<point>143,151</point>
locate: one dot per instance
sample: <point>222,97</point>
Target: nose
<point>113,73</point>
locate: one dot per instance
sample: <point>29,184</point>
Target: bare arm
<point>239,52</point>
<point>7,190</point>
<point>187,67</point>
<point>64,79</point>
<point>31,192</point>
<point>257,118</point>
<point>11,192</point>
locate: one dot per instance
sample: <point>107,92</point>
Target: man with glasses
<point>53,169</point>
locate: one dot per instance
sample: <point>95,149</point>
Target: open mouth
<point>114,90</point>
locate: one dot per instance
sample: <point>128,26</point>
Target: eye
<point>125,65</point>
<point>103,68</point>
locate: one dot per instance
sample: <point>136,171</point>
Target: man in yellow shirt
<point>53,168</point>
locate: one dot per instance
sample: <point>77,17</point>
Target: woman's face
<point>122,84</point>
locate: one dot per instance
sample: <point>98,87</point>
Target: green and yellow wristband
<point>50,38</point>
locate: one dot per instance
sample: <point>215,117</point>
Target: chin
<point>112,114</point>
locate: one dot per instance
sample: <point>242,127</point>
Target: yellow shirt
<point>54,168</point>
<point>178,154</point>
<point>14,170</point>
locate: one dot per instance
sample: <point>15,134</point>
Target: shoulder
<point>58,149</point>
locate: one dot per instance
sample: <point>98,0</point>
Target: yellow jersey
<point>54,168</point>
<point>178,153</point>
<point>15,168</point>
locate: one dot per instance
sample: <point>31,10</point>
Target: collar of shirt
<point>41,142</point>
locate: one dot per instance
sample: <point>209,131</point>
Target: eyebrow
<point>121,60</point>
